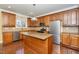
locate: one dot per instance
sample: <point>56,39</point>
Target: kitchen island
<point>37,43</point>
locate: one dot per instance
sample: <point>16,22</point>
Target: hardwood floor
<point>18,48</point>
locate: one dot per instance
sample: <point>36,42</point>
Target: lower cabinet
<point>74,40</point>
<point>21,36</point>
<point>70,40</point>
<point>65,39</point>
<point>7,37</point>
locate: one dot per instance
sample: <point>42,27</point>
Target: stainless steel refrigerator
<point>55,29</point>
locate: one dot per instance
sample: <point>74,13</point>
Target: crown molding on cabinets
<point>59,10</point>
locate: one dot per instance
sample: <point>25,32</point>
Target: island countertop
<point>41,36</point>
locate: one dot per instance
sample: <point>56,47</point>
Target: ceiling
<point>33,11</point>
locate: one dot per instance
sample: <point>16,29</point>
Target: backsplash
<point>70,29</point>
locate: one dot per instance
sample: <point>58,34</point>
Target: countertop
<point>71,33</point>
<point>20,29</point>
<point>41,36</point>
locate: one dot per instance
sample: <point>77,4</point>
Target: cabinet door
<point>12,20</point>
<point>61,16</point>
<point>21,36</point>
<point>29,22</point>
<point>8,19</point>
<point>65,39</point>
<point>5,17</point>
<point>78,16</point>
<point>7,37</point>
<point>74,40</point>
<point>65,18</point>
<point>74,17</point>
<point>69,17</point>
<point>46,20</point>
<point>51,17</point>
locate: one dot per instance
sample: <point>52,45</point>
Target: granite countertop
<point>20,29</point>
<point>41,36</point>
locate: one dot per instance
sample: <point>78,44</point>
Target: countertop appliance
<point>55,29</point>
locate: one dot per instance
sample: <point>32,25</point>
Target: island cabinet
<point>9,20</point>
<point>70,40</point>
<point>7,37</point>
<point>34,44</point>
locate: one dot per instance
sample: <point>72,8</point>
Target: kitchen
<point>37,33</point>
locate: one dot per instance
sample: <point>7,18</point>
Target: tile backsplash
<point>70,29</point>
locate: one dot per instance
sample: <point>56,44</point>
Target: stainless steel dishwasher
<point>16,36</point>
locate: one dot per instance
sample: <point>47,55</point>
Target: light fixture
<point>34,18</point>
<point>34,4</point>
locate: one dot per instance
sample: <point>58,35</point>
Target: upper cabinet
<point>9,20</point>
<point>32,23</point>
<point>70,17</point>
<point>78,16</point>
<point>46,20</point>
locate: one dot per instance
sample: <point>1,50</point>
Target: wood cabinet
<point>65,39</point>
<point>5,17</point>
<point>21,36</point>
<point>78,16</point>
<point>46,20</point>
<point>74,40</point>
<point>12,20</point>
<point>70,17</point>
<point>37,46</point>
<point>74,17</point>
<point>9,20</point>
<point>32,23</point>
<point>29,22</point>
<point>7,37</point>
<point>70,40</point>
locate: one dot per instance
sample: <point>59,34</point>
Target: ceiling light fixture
<point>34,4</point>
<point>34,18</point>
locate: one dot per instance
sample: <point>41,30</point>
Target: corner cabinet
<point>9,20</point>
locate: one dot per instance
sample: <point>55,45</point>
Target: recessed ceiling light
<point>34,4</point>
<point>9,6</point>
